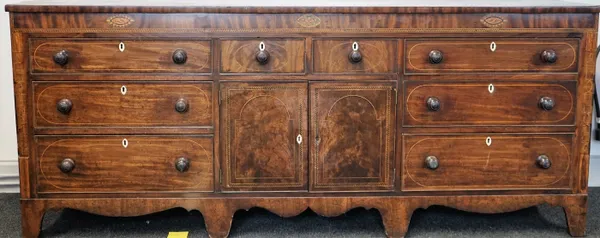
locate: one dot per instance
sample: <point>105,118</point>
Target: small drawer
<point>486,162</point>
<point>118,164</point>
<point>354,56</point>
<point>489,103</point>
<point>263,56</point>
<point>443,56</point>
<point>122,104</point>
<point>126,56</point>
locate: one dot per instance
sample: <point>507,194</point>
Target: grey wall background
<point>8,142</point>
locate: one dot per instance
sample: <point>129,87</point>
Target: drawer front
<point>491,55</point>
<point>489,103</point>
<point>123,104</point>
<point>143,56</point>
<point>263,56</point>
<point>354,56</point>
<point>124,164</point>
<point>482,162</point>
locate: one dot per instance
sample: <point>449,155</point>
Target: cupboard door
<point>352,136</point>
<point>263,126</point>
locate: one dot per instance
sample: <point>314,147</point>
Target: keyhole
<point>491,88</point>
<point>123,90</point>
<point>125,143</point>
<point>488,141</point>
<point>262,46</point>
<point>355,46</point>
<point>121,46</point>
<point>493,46</point>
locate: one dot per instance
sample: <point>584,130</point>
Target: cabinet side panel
<point>585,91</point>
<point>21,88</point>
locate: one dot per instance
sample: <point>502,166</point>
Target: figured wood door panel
<point>122,56</point>
<point>123,104</point>
<point>491,55</point>
<point>489,103</point>
<point>124,164</point>
<point>486,162</point>
<point>263,128</point>
<point>352,136</point>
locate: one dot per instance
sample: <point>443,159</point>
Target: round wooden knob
<point>355,56</point>
<point>543,162</point>
<point>546,103</point>
<point>181,105</point>
<point>66,165</point>
<point>549,56</point>
<point>182,164</point>
<point>432,162</point>
<point>433,104</point>
<point>61,58</point>
<point>64,106</point>
<point>435,57</point>
<point>262,57</point>
<point>179,56</point>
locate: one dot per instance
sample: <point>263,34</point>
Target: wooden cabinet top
<point>305,6</point>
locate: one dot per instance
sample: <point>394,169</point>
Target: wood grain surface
<point>105,164</point>
<point>466,162</point>
<point>286,56</point>
<point>262,123</point>
<point>477,55</point>
<point>474,104</point>
<point>307,128</point>
<point>352,136</point>
<point>98,55</point>
<point>331,56</point>
<point>123,104</point>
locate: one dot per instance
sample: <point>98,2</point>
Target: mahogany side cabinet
<point>125,108</point>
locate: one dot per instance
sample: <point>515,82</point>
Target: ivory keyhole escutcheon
<point>125,143</point>
<point>123,90</point>
<point>355,46</point>
<point>299,139</point>
<point>121,46</point>
<point>488,141</point>
<point>491,88</point>
<point>493,46</point>
<point>261,46</point>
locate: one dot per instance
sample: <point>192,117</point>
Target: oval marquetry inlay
<point>120,21</point>
<point>308,20</point>
<point>493,21</point>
